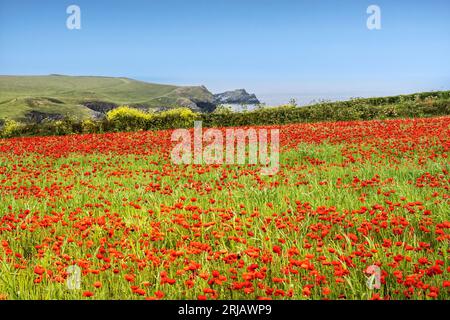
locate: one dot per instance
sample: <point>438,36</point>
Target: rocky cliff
<point>239,96</point>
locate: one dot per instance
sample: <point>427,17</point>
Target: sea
<point>272,100</point>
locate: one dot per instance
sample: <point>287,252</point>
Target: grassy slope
<point>21,94</point>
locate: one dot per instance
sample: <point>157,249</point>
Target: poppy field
<point>348,197</point>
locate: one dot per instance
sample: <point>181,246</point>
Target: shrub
<point>11,128</point>
<point>174,118</point>
<point>62,127</point>
<point>128,119</point>
<point>223,109</point>
<point>89,126</point>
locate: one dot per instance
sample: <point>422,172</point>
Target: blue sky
<point>277,48</point>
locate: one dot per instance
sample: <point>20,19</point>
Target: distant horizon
<point>270,99</point>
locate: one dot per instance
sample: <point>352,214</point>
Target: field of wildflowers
<point>348,196</point>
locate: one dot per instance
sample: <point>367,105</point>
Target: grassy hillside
<point>68,95</point>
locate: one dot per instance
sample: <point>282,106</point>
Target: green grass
<point>139,171</point>
<point>65,94</point>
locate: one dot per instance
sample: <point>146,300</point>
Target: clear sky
<point>275,48</point>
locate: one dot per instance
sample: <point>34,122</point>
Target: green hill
<point>25,97</point>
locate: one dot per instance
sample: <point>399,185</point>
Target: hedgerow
<point>124,118</point>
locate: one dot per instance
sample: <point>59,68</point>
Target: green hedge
<point>427,104</point>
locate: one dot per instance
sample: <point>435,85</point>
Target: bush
<point>174,118</point>
<point>128,119</point>
<point>11,128</point>
<point>63,127</point>
<point>89,126</point>
<point>223,109</point>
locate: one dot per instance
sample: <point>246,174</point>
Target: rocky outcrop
<point>187,103</point>
<point>100,106</point>
<point>97,116</point>
<point>39,117</point>
<point>206,106</point>
<point>239,96</point>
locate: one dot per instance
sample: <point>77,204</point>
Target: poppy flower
<point>129,277</point>
<point>39,270</point>
<point>276,249</point>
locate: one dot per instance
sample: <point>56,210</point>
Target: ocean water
<point>272,100</point>
<point>301,99</point>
